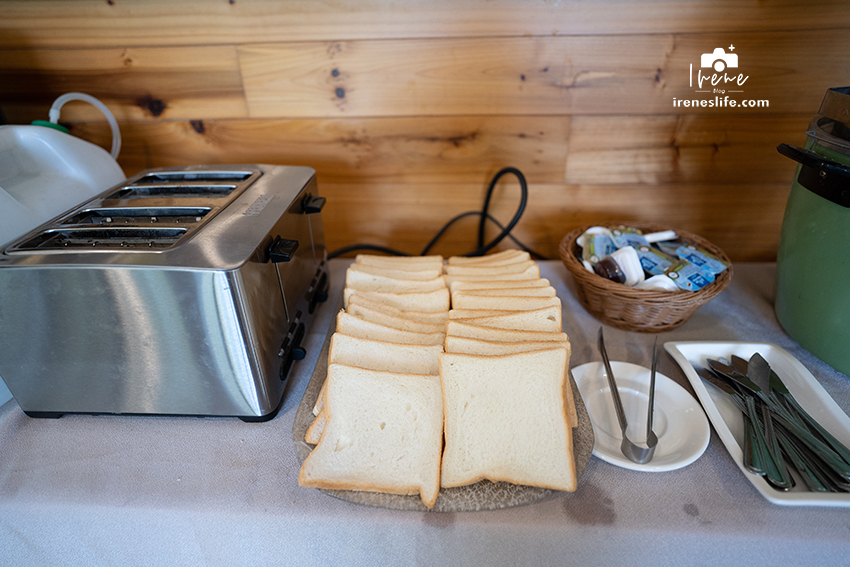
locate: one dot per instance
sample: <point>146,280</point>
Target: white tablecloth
<point>110,490</point>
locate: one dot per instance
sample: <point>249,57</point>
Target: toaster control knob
<point>282,250</point>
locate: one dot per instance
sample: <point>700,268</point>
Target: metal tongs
<point>631,450</point>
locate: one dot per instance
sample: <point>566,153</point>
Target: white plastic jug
<point>45,172</point>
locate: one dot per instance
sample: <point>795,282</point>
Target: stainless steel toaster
<point>179,291</point>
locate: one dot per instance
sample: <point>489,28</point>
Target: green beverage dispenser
<point>813,264</point>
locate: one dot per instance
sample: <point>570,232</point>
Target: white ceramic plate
<point>678,420</point>
<point>728,420</point>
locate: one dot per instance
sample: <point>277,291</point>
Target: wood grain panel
<point>451,77</point>
<point>682,149</point>
<point>401,150</point>
<point>639,74</point>
<point>136,84</point>
<point>98,23</point>
<point>411,214</point>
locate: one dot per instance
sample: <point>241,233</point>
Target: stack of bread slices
<point>420,396</point>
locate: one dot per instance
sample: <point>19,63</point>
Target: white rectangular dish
<point>728,420</point>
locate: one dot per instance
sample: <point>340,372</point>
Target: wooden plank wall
<point>407,109</point>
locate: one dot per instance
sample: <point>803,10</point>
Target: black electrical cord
<point>481,247</point>
<point>433,241</point>
<point>372,247</point>
<point>484,248</point>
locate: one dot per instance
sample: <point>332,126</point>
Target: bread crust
<point>486,387</point>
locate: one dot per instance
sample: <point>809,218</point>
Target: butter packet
<point>596,246</point>
<point>701,258</point>
<point>653,260</point>
<point>628,236</point>
<point>689,276</point>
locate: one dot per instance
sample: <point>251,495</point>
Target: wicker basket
<point>646,311</point>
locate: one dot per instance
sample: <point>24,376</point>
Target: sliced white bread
<point>371,282</point>
<point>384,433</point>
<point>508,291</point>
<point>399,262</point>
<point>402,273</point>
<point>470,313</point>
<point>395,322</point>
<point>467,300</point>
<point>353,326</point>
<point>494,262</point>
<point>489,270</point>
<point>545,319</point>
<point>466,345</point>
<point>461,329</point>
<point>505,419</point>
<point>465,285</point>
<point>438,317</point>
<point>531,273</point>
<point>380,355</point>
<point>463,345</point>
<point>314,432</point>
<point>426,301</point>
<point>489,258</point>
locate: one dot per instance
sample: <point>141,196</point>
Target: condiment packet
<point>701,258</point>
<point>629,261</point>
<point>653,260</point>
<point>689,276</point>
<point>596,243</point>
<point>628,236</point>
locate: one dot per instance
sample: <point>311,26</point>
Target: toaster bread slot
<point>102,239</point>
<point>138,215</point>
<point>194,176</point>
<point>172,191</point>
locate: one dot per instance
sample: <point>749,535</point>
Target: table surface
<point>112,490</point>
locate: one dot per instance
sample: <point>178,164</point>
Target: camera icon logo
<point>719,60</point>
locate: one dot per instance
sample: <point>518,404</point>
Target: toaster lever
<point>312,204</point>
<point>282,250</point>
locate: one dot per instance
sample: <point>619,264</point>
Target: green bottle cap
<point>47,124</point>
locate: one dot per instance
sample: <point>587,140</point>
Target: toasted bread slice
<point>506,419</point>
